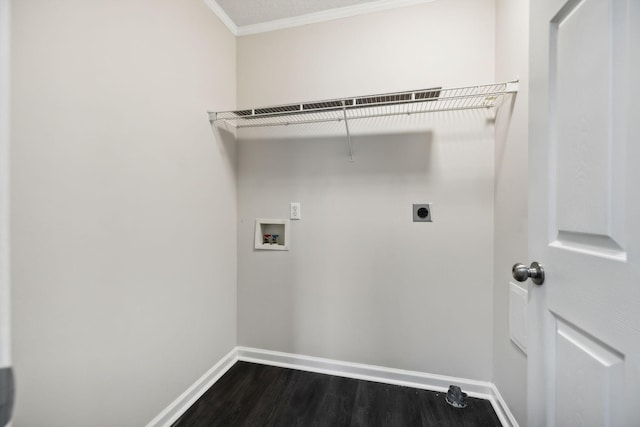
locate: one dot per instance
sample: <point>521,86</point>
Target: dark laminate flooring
<point>257,395</point>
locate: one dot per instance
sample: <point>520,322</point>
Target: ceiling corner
<point>220,13</point>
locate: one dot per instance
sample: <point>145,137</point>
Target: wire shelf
<point>430,100</point>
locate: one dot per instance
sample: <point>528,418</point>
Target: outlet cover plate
<point>422,212</point>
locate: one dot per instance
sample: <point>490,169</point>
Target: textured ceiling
<point>250,12</point>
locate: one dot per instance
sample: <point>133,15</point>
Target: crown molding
<point>311,18</point>
<point>222,15</point>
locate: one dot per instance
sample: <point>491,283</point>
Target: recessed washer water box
<point>272,234</point>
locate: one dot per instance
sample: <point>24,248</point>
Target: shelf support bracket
<point>512,87</point>
<point>346,124</point>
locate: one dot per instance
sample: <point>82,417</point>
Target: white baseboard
<point>421,380</point>
<point>179,406</point>
<point>501,408</point>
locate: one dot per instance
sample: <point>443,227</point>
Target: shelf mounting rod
<point>346,124</point>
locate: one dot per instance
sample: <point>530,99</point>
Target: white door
<point>584,213</point>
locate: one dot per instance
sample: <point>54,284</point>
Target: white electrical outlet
<point>295,210</point>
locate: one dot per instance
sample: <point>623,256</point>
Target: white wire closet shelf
<point>436,99</point>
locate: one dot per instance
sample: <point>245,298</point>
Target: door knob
<point>521,273</point>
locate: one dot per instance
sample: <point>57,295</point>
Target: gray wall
<point>124,237</point>
<point>5,318</point>
<point>361,282</point>
<point>449,43</point>
<point>123,206</point>
<point>510,223</point>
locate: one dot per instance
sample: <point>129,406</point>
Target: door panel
<point>583,144</point>
<point>580,116</point>
<point>587,376</point>
<point>584,348</point>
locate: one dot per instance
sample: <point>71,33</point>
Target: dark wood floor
<point>257,395</point>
